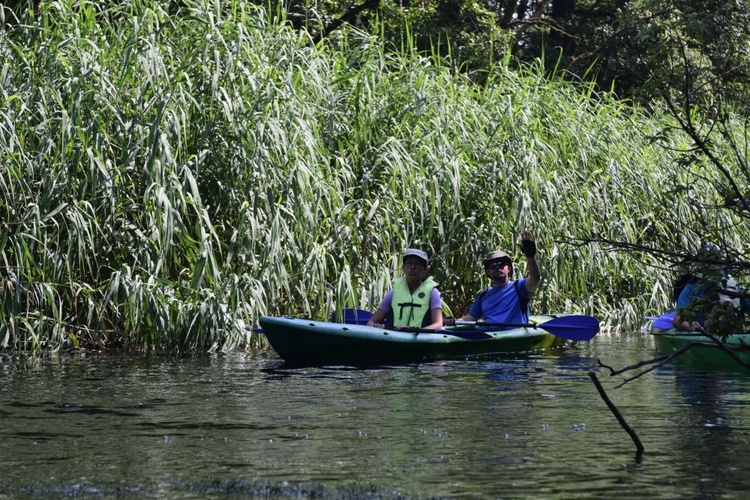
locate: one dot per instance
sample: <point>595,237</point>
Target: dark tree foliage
<point>619,44</point>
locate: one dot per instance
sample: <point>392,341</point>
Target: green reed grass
<point>167,178</point>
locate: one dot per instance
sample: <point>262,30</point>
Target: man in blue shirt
<point>507,301</point>
<point>710,297</point>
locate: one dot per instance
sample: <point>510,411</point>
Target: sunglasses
<point>413,263</point>
<point>500,263</point>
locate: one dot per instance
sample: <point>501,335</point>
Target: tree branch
<point>348,17</point>
<point>617,414</point>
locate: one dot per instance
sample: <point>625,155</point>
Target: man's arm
<point>528,248</point>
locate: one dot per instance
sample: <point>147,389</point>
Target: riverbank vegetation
<point>168,178</point>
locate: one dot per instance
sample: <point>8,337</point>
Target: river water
<point>245,425</point>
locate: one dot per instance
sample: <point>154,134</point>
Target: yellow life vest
<point>412,309</point>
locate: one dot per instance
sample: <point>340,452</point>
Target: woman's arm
<point>436,315</point>
<point>377,318</point>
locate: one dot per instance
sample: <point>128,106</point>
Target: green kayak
<point>669,340</point>
<point>310,343</point>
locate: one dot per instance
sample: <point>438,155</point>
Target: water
<point>245,425</point>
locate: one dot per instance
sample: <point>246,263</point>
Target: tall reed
<point>167,178</point>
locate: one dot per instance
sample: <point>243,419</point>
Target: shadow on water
<point>712,423</point>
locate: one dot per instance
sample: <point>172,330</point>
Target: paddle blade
<point>574,327</point>
<point>664,322</point>
<point>352,317</point>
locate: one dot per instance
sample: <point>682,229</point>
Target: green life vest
<point>412,309</point>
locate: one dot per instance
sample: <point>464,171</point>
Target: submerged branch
<point>616,413</point>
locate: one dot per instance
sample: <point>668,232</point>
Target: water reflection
<point>710,422</point>
<point>248,425</point>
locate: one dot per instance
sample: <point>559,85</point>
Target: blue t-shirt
<point>502,304</point>
<point>693,298</point>
<point>690,295</point>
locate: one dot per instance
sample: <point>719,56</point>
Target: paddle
<point>663,322</point>
<point>362,316</point>
<point>572,327</point>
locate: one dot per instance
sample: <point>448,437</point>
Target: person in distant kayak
<point>709,298</point>
<point>414,301</point>
<point>507,301</point>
